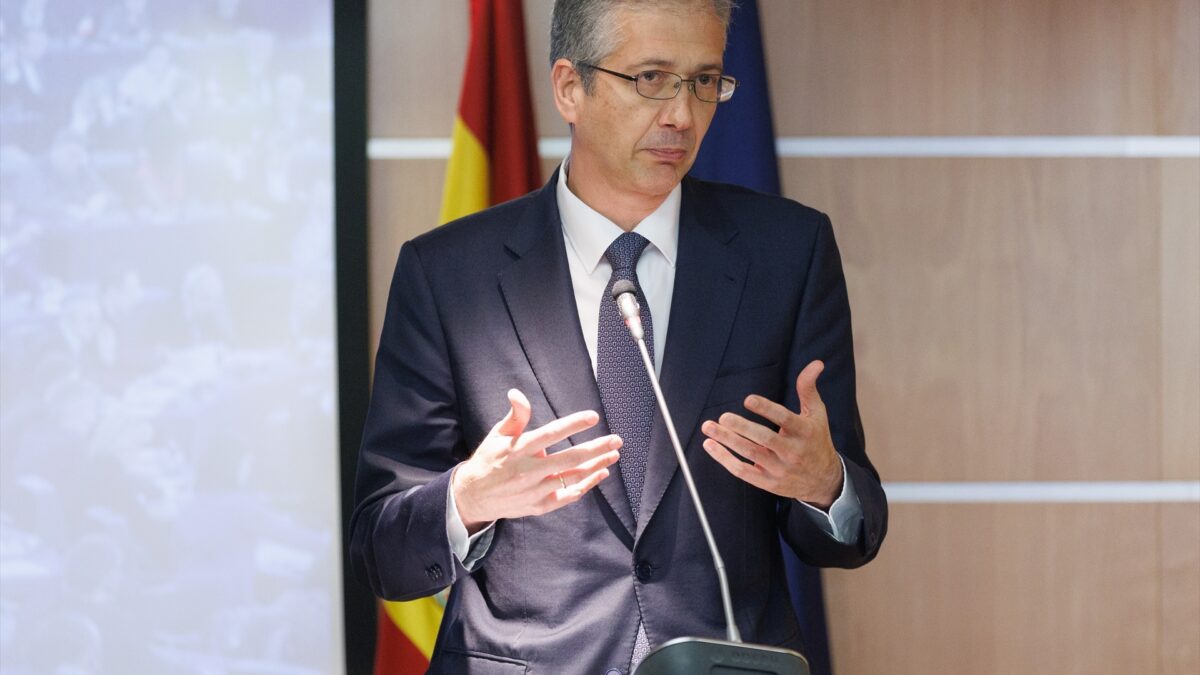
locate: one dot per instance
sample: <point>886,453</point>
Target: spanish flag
<point>493,158</point>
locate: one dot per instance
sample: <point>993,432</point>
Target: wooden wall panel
<point>998,589</point>
<point>1180,589</point>
<point>928,67</point>
<point>1181,319</point>
<point>1007,312</point>
<point>1177,71</point>
<point>415,59</point>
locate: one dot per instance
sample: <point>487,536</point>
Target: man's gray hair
<point>585,31</point>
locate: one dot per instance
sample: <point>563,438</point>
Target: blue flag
<point>740,148</point>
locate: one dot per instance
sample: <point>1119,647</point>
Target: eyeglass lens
<point>663,85</point>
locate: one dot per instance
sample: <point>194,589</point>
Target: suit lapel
<point>709,278</point>
<point>541,301</point>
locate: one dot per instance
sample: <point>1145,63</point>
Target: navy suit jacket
<point>484,304</point>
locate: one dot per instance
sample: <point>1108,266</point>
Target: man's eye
<point>706,79</point>
<point>650,76</point>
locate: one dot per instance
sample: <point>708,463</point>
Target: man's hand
<point>798,461</point>
<point>510,475</point>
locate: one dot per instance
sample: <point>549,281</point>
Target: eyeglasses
<point>661,85</point>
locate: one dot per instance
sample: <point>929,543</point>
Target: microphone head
<point>623,286</point>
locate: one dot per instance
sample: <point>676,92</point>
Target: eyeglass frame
<point>691,83</point>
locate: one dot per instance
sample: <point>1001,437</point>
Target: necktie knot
<point>624,252</point>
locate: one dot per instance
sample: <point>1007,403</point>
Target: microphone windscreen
<point>621,287</point>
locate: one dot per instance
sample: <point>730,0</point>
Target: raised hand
<point>510,475</point>
<point>797,461</point>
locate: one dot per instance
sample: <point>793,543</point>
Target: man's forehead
<point>663,38</point>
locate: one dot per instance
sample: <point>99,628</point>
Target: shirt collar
<point>590,233</point>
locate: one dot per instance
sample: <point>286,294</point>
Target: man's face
<point>628,145</point>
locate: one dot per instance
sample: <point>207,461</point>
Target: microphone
<point>625,295</point>
<point>687,654</point>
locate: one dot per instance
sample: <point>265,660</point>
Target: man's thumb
<point>806,387</point>
<point>518,415</point>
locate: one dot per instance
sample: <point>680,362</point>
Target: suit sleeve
<point>823,332</point>
<point>411,442</point>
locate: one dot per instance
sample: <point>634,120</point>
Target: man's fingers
<point>777,414</point>
<point>579,488</point>
<point>518,415</point>
<point>561,428</point>
<point>742,446</point>
<point>747,429</point>
<point>806,387</point>
<point>751,473</point>
<point>562,496</point>
<point>579,471</point>
<point>581,454</point>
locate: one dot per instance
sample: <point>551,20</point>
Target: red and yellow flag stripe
<point>494,156</point>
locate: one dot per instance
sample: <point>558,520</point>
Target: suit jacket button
<point>644,571</point>
<point>434,572</point>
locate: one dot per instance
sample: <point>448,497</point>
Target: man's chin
<point>663,177</point>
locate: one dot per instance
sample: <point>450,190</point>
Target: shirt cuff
<point>468,549</point>
<point>844,519</point>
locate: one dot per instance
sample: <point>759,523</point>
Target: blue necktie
<point>625,388</point>
<point>624,385</point>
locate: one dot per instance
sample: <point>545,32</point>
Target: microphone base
<point>708,656</point>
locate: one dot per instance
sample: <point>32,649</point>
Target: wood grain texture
<point>1177,66</point>
<point>1006,312</point>
<point>416,53</point>
<point>1180,589</point>
<point>920,67</point>
<point>1181,319</point>
<point>998,589</point>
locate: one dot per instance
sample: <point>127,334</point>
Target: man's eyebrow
<point>668,64</point>
<point>658,63</point>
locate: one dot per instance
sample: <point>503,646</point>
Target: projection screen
<point>168,400</point>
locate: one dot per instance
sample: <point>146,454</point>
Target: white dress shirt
<point>588,235</point>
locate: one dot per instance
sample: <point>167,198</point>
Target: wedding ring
<point>561,481</point>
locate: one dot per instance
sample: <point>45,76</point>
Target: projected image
<point>168,411</point>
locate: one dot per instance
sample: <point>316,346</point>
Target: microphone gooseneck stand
<point>693,655</point>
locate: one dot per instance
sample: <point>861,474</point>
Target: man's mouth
<point>668,154</point>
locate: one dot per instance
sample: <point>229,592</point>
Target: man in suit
<point>557,512</point>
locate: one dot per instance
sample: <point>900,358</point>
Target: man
<point>557,513</point>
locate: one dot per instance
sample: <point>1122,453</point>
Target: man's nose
<point>677,112</point>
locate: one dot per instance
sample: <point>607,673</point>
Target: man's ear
<point>568,89</point>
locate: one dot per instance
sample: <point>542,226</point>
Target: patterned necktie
<point>625,388</point>
<point>624,385</point>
